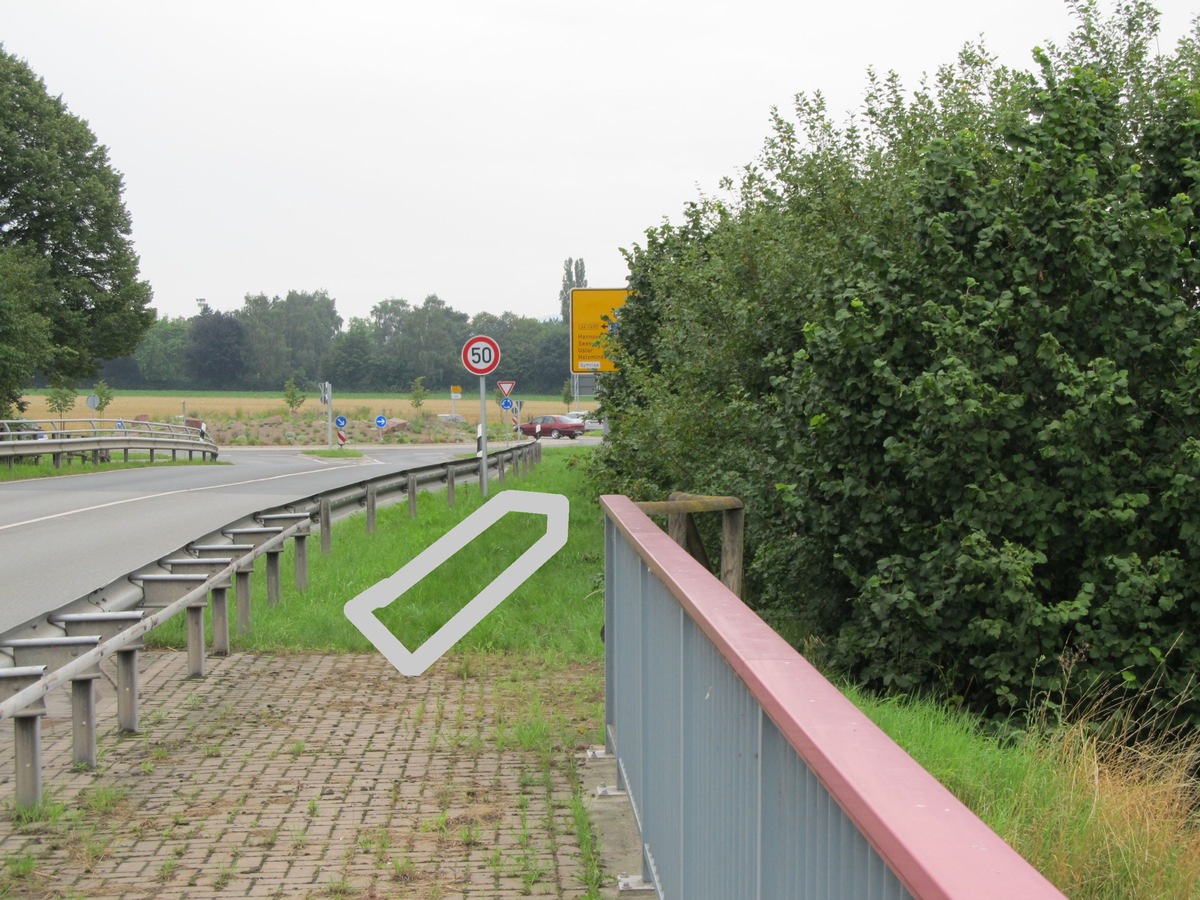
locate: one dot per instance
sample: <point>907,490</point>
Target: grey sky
<point>397,149</point>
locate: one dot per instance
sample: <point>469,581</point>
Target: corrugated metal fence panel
<point>750,776</point>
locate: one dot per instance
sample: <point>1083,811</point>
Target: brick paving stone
<point>300,775</point>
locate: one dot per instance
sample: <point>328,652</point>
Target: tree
<point>160,355</point>
<point>61,399</point>
<point>574,276</point>
<point>214,357</point>
<point>104,396</point>
<point>418,394</point>
<point>968,325</point>
<point>25,341</point>
<point>292,396</point>
<point>60,202</point>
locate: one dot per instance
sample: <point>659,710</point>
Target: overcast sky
<point>386,148</point>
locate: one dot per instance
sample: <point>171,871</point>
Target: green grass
<point>556,613</point>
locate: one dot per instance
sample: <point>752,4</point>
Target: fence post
<point>732,540</point>
<point>195,630</point>
<point>127,688</point>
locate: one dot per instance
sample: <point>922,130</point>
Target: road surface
<point>63,537</point>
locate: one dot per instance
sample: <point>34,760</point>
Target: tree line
<point>73,305</point>
<point>301,337</point>
<point>948,353</point>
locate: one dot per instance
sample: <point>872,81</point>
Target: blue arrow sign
<point>340,421</point>
<point>506,403</point>
<point>380,421</point>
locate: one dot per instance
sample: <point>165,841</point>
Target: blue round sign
<point>340,421</point>
<point>380,421</point>
<point>506,403</point>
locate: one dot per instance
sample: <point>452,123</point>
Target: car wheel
<point>572,435</point>
<point>554,434</point>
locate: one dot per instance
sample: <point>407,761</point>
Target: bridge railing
<point>750,775</point>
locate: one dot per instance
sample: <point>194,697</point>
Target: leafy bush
<point>951,355</point>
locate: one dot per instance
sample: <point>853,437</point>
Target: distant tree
<point>104,396</point>
<point>419,393</point>
<point>350,364</point>
<point>292,396</point>
<point>574,276</point>
<point>568,393</point>
<point>160,355</point>
<point>61,399</point>
<point>60,201</point>
<point>213,357</point>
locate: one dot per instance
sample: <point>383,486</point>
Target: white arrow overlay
<point>361,610</point>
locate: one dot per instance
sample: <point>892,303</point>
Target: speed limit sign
<point>480,355</point>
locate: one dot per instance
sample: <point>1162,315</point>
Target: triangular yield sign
<point>506,387</point>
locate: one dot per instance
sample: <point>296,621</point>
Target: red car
<point>554,426</point>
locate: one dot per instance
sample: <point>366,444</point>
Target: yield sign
<point>506,387</point>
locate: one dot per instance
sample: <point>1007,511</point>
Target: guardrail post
<point>54,653</point>
<point>27,734</point>
<point>411,487</point>
<point>372,499</point>
<point>242,592</point>
<point>108,625</point>
<point>273,577</point>
<point>500,469</point>
<point>195,632</point>
<point>220,602</point>
<point>450,485</point>
<point>302,561</point>
<point>326,526</point>
<point>127,689</point>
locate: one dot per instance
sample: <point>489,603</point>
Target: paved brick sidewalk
<point>306,776</point>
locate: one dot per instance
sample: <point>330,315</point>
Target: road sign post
<point>480,356</point>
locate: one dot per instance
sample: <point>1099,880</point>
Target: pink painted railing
<point>751,776</point>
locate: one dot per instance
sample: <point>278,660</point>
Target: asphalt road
<point>61,538</point>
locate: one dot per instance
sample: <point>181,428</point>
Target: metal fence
<point>96,440</point>
<point>750,775</point>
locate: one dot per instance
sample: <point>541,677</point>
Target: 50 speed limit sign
<point>480,355</point>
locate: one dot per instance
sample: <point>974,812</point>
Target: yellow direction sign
<point>592,309</point>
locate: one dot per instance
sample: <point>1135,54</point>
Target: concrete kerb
<point>299,775</point>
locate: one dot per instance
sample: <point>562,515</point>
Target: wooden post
<point>732,541</point>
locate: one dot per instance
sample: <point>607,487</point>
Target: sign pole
<point>483,460</point>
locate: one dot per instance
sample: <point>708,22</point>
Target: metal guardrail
<point>24,697</point>
<point>98,439</point>
<point>750,775</point>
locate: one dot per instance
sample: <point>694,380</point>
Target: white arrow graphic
<point>361,610</point>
